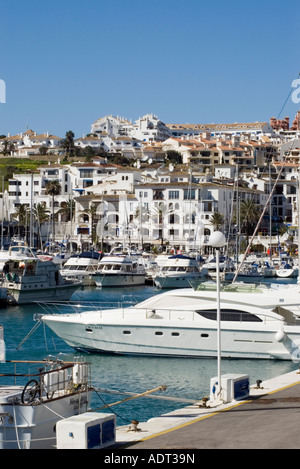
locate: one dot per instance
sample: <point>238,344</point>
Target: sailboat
<point>30,410</point>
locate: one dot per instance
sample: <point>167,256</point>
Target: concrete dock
<point>268,419</point>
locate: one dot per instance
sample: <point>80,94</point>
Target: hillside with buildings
<point>150,183</point>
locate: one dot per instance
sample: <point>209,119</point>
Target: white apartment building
<point>251,128</point>
<point>145,129</point>
<point>173,207</point>
<point>29,143</point>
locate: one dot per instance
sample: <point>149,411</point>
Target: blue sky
<point>68,62</point>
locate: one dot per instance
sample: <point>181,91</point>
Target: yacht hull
<point>118,280</point>
<point>169,341</point>
<point>21,295</point>
<point>255,323</point>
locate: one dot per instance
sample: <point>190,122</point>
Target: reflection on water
<point>184,378</point>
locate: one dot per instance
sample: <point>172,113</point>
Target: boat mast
<point>2,223</point>
<point>31,207</point>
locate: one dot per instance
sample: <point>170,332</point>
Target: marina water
<point>187,379</point>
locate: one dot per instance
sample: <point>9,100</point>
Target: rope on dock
<point>126,393</point>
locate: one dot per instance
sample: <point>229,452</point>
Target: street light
<point>218,240</point>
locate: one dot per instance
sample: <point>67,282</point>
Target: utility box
<point>233,387</point>
<point>90,430</point>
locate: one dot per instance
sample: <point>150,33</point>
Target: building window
<point>86,173</point>
<point>173,194</point>
<point>83,231</point>
<point>189,194</point>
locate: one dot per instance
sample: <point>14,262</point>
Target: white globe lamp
<point>217,239</point>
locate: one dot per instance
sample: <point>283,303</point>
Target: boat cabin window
<point>230,315</point>
<point>111,267</point>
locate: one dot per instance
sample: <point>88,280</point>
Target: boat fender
<point>280,336</point>
<point>151,314</point>
<point>214,388</point>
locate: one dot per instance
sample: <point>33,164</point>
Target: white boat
<point>30,279</point>
<point>225,264</point>
<point>178,271</point>
<point>256,322</point>
<point>268,269</point>
<point>119,271</point>
<point>248,274</point>
<point>287,270</point>
<point>16,252</point>
<point>32,403</point>
<point>81,267</point>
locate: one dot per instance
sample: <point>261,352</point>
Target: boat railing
<point>51,379</point>
<point>71,307</point>
<point>143,313</point>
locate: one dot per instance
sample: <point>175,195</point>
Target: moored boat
<point>119,271</point>
<point>32,279</point>
<point>178,271</point>
<point>257,322</point>
<point>81,267</point>
<point>33,402</point>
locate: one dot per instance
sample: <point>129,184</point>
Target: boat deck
<point>9,392</point>
<point>268,419</point>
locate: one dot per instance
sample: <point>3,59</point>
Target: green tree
<point>68,143</point>
<point>174,156</point>
<point>53,188</point>
<point>22,215</point>
<point>249,215</point>
<point>68,209</point>
<point>43,150</point>
<point>41,215</point>
<point>8,147</point>
<point>217,220</point>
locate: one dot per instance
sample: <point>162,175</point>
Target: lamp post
<point>218,240</point>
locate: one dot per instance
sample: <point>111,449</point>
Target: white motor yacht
<point>29,278</point>
<point>178,271</point>
<point>81,267</point>
<point>119,271</point>
<point>256,322</point>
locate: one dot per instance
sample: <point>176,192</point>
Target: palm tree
<point>68,143</point>
<point>216,220</point>
<point>22,214</point>
<point>249,213</point>
<point>68,209</point>
<point>41,215</point>
<point>53,188</point>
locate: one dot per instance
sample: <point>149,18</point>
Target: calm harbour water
<point>184,378</point>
